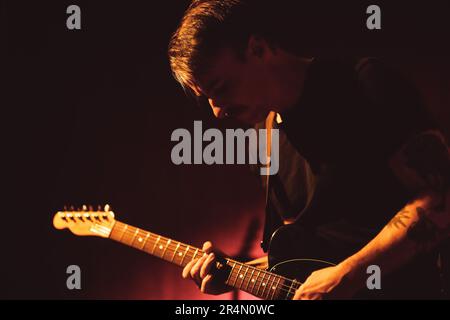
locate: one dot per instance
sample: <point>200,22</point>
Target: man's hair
<point>207,26</point>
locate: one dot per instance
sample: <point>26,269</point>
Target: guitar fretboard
<point>260,283</point>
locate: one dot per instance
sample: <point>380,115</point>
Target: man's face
<point>239,88</point>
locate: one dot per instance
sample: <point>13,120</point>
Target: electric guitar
<point>280,281</point>
<point>292,256</point>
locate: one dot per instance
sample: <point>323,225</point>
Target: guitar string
<point>172,247</point>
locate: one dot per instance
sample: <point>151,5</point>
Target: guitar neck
<point>260,283</point>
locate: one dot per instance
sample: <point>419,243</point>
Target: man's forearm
<point>418,227</point>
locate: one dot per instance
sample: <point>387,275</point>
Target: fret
<point>139,238</point>
<point>243,278</point>
<point>271,287</point>
<point>123,232</point>
<point>255,281</point>
<point>296,286</point>
<point>229,275</point>
<point>134,237</point>
<point>235,280</point>
<point>154,246</point>
<point>290,288</point>
<point>265,285</point>
<point>280,287</point>
<point>175,252</point>
<point>275,287</point>
<point>165,248</point>
<point>180,253</point>
<point>145,240</point>
<point>184,255</point>
<point>195,253</point>
<point>260,284</point>
<point>251,278</point>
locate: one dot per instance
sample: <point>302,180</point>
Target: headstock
<point>86,221</point>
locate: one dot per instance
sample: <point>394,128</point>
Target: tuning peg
<point>107,208</point>
<point>84,207</point>
<point>65,208</point>
<point>72,208</point>
<point>91,208</point>
<point>99,208</point>
<point>63,216</point>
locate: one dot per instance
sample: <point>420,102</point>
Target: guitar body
<point>295,254</point>
<point>299,269</point>
<point>289,256</point>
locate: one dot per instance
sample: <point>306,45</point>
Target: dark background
<point>87,118</point>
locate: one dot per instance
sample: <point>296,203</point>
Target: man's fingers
<point>199,269</point>
<point>207,247</point>
<point>303,294</point>
<point>207,265</point>
<point>187,268</point>
<point>206,283</point>
<point>195,270</point>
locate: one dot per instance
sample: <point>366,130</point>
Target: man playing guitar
<point>364,172</point>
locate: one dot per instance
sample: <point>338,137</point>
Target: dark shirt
<point>335,145</point>
<point>351,118</point>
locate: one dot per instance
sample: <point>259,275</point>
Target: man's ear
<point>257,47</point>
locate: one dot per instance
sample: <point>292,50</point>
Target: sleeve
<point>395,111</point>
<point>422,164</point>
<point>416,150</point>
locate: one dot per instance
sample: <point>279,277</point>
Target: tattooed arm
<point>420,226</point>
<point>423,166</point>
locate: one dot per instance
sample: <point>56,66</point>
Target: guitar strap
<point>269,125</point>
<point>268,218</point>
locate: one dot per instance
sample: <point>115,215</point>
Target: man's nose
<point>219,112</point>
